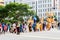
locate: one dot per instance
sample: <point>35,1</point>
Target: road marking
<point>47,37</point>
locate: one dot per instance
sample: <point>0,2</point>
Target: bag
<point>5,28</point>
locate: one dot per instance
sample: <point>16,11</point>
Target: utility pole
<point>14,1</point>
<point>36,7</point>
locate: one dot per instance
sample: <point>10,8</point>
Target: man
<point>34,26</point>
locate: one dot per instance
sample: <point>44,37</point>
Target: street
<point>43,35</point>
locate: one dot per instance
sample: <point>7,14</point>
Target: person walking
<point>9,27</point>
<point>18,28</point>
<point>5,28</point>
<point>21,29</point>
<point>14,27</point>
<point>34,26</point>
<point>44,25</point>
<point>0,27</point>
<point>3,24</point>
<point>30,27</point>
<point>37,27</point>
<point>41,26</point>
<point>23,26</point>
<point>48,26</point>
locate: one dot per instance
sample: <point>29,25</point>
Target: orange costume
<point>48,26</point>
<point>37,26</point>
<point>41,27</point>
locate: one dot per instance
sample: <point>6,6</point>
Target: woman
<point>5,28</point>
<point>23,26</point>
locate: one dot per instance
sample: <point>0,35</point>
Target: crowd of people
<point>18,27</point>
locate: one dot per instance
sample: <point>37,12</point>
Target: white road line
<point>56,38</point>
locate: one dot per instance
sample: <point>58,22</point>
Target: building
<point>1,2</point>
<point>44,6</point>
<point>57,8</point>
<point>48,6</point>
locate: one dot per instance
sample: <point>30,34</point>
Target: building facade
<point>56,8</point>
<point>1,2</point>
<point>44,6</point>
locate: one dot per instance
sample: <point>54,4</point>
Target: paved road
<point>45,35</point>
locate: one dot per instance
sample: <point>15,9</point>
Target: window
<point>48,9</point>
<point>43,14</point>
<point>33,2</point>
<point>43,5</point>
<point>45,1</point>
<point>55,13</point>
<point>38,10</point>
<point>58,13</point>
<point>39,6</point>
<point>48,5</point>
<point>43,10</point>
<point>39,2</point>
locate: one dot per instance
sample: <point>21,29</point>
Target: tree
<point>17,10</point>
<point>3,12</point>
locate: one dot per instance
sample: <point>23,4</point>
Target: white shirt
<point>14,25</point>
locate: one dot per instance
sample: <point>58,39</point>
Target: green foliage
<point>15,10</point>
<point>3,12</point>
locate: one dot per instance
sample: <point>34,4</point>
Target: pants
<point>30,29</point>
<point>34,29</point>
<point>0,29</point>
<point>18,30</point>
